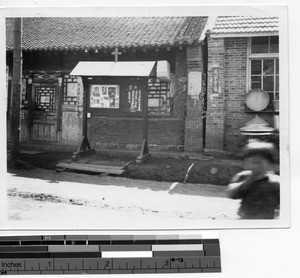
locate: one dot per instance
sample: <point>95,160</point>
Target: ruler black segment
<point>122,242</point>
<point>177,253</point>
<point>53,242</point>
<point>145,242</point>
<point>75,255</point>
<point>212,249</point>
<point>76,242</point>
<point>190,241</point>
<point>165,241</point>
<point>24,255</point>
<point>211,241</point>
<point>9,243</point>
<point>35,242</point>
<point>24,249</point>
<point>99,242</point>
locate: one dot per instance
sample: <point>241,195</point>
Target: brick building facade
<point>229,78</point>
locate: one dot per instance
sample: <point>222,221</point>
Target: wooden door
<point>44,118</point>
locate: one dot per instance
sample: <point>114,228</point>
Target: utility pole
<point>16,93</point>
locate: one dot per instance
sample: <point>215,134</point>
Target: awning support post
<point>144,154</point>
<point>84,148</point>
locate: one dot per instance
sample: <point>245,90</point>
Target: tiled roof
<point>106,32</point>
<point>245,24</point>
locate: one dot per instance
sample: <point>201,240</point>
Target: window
<point>159,98</point>
<point>264,65</point>
<point>45,98</point>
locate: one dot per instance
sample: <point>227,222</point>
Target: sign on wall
<point>72,89</point>
<point>195,83</point>
<point>215,80</point>
<point>104,96</point>
<point>133,99</point>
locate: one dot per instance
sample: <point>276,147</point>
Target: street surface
<point>45,199</point>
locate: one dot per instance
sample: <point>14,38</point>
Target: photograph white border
<point>120,11</point>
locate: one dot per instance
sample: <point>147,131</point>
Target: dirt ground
<point>41,198</point>
<point>205,170</point>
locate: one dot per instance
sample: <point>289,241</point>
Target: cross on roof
<point>116,53</point>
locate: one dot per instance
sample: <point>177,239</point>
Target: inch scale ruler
<point>108,254</point>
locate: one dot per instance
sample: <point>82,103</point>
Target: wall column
<point>194,122</point>
<point>215,118</point>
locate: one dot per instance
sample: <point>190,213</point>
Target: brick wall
<point>180,84</point>
<point>215,94</point>
<point>122,132</point>
<point>226,112</point>
<point>193,122</point>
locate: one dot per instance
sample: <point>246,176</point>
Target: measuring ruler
<point>108,254</point>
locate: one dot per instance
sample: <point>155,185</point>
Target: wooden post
<point>145,117</point>
<point>84,148</point>
<point>30,97</point>
<point>59,102</point>
<point>16,84</point>
<point>84,118</point>
<point>144,154</point>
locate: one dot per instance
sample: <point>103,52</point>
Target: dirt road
<point>40,198</point>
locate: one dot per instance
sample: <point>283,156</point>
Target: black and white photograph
<point>146,118</point>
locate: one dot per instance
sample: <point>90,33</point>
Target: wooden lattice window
<point>45,98</point>
<point>159,100</point>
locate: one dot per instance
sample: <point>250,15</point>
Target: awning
<point>136,69</point>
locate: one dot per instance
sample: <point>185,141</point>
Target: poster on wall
<point>104,96</point>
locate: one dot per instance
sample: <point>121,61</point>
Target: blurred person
<point>257,186</point>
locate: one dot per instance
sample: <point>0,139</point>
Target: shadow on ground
<point>210,170</point>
